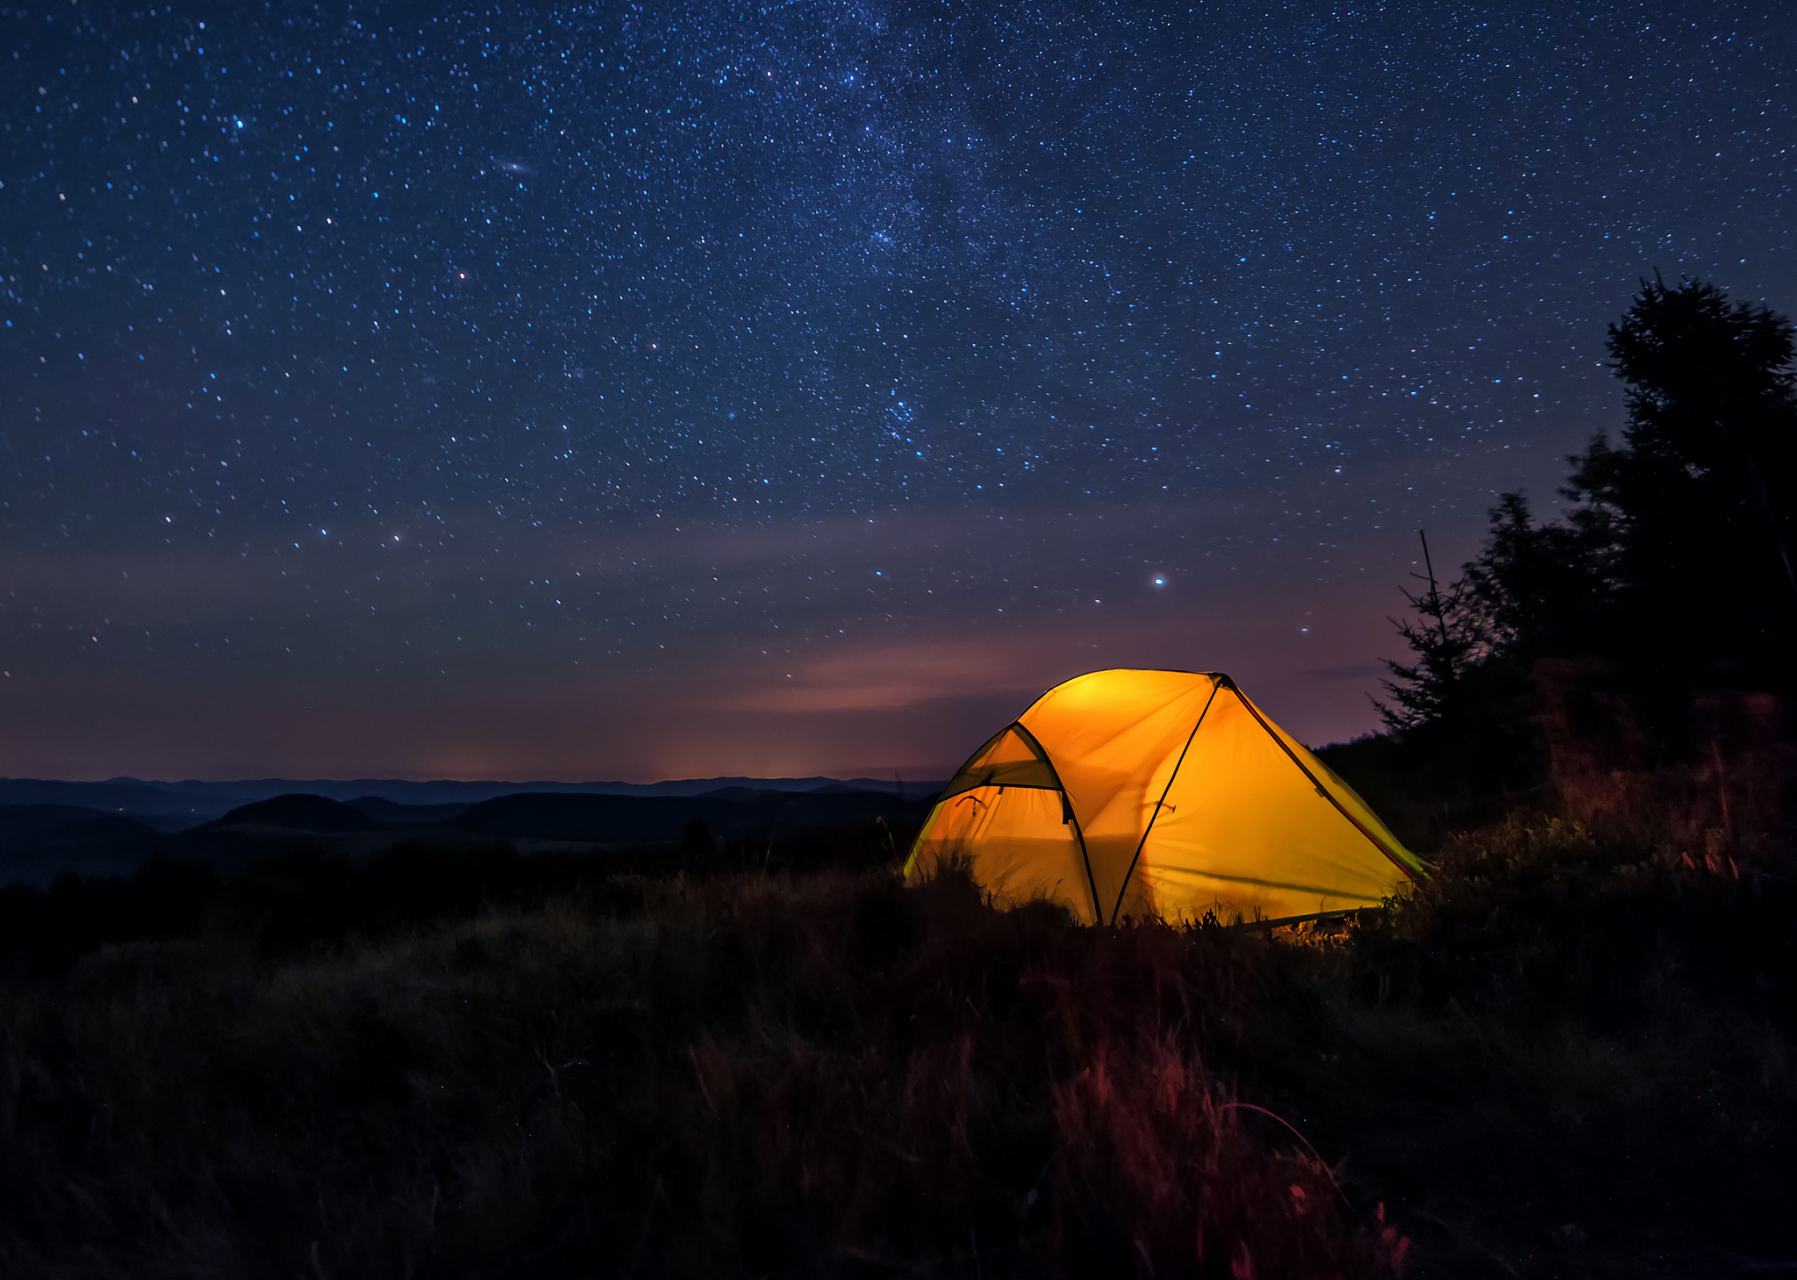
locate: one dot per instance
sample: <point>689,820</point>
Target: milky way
<point>659,388</point>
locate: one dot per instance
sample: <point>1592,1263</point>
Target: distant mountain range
<point>110,828</point>
<point>170,806</point>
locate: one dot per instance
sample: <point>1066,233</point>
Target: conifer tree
<point>1698,498</point>
<point>1674,566</point>
<point>1445,639</point>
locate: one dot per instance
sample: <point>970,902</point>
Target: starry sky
<point>683,389</point>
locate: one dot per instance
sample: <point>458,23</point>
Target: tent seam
<point>1321,789</point>
<point>1123,885</point>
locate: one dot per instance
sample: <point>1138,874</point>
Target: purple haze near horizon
<point>675,390</point>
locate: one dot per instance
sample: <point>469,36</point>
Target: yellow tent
<point>1131,793</point>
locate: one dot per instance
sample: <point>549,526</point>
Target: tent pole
<point>1321,789</point>
<point>1123,888</point>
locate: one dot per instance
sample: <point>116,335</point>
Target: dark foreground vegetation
<point>1569,1053</point>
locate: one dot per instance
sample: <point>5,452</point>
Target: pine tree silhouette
<point>1446,640</point>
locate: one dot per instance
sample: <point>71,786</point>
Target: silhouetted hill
<point>299,813</point>
<point>835,808</point>
<point>598,819</point>
<point>446,791</point>
<point>175,806</point>
<point>661,819</point>
<point>389,814</point>
<point>137,799</point>
<point>39,841</point>
<point>103,842</point>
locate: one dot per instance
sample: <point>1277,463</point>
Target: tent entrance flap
<point>1008,817</point>
<point>1014,844</point>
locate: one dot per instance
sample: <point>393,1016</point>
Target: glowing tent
<point>1128,793</point>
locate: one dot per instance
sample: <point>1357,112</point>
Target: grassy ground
<point>1569,1053</point>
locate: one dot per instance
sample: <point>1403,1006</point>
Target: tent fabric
<point>1130,793</point>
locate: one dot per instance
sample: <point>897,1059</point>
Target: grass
<point>1568,1053</point>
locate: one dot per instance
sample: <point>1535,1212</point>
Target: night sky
<point>663,390</point>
